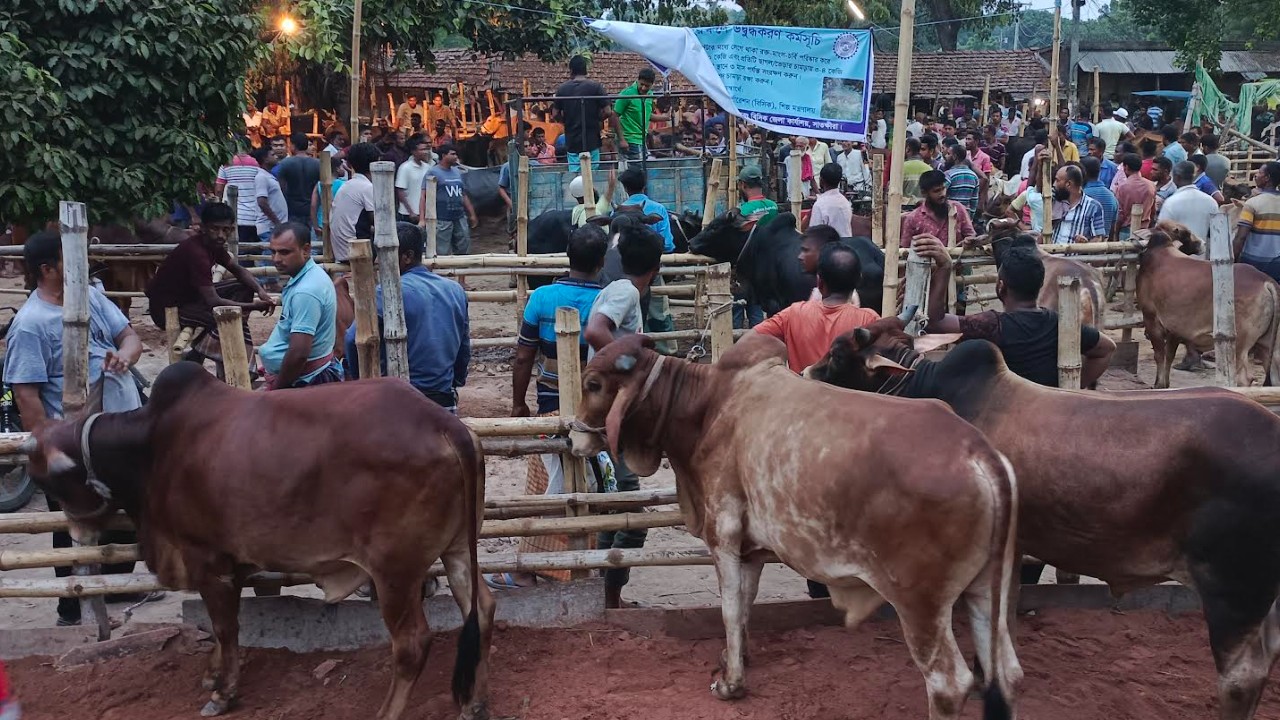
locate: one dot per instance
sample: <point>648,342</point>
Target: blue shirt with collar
<point>1107,172</point>
<point>1110,206</point>
<point>308,305</point>
<point>438,332</point>
<point>663,226</point>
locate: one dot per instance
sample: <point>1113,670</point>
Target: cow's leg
<point>751,570</point>
<point>222,600</point>
<point>926,627</point>
<point>1244,650</point>
<point>1164,347</point>
<point>725,545</point>
<point>457,562</point>
<point>400,600</point>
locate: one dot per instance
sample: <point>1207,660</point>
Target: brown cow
<point>865,512</point>
<point>132,275</point>
<point>1133,488</point>
<point>1002,235</point>
<point>1175,296</point>
<point>347,483</point>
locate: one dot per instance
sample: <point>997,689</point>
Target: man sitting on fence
<point>33,365</point>
<point>437,329</point>
<point>185,281</point>
<point>299,352</point>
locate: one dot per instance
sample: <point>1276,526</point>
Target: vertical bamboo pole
<point>522,231</point>
<point>235,356</point>
<point>386,243</point>
<point>1026,115</point>
<point>902,96</point>
<point>288,107</point>
<point>1046,192</point>
<point>588,181</point>
<point>74,226</point>
<point>569,366</point>
<point>429,218</point>
<point>720,306</point>
<point>1055,69</point>
<point>732,141</point>
<point>952,241</point>
<point>391,108</point>
<point>1069,333</point>
<point>354,115</point>
<point>795,186</point>
<point>326,204</point>
<point>917,291</point>
<point>1224,301</point>
<point>1130,288</point>
<point>877,200</point>
<point>172,327</point>
<point>713,191</point>
<point>1137,215</point>
<point>1097,95</point>
<point>315,123</point>
<point>986,100</point>
<point>364,294</point>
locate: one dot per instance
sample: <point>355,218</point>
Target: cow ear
<point>926,343</point>
<point>617,412</point>
<point>59,462</point>
<point>880,362</point>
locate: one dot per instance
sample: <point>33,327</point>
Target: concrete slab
<point>16,643</point>
<point>307,624</point>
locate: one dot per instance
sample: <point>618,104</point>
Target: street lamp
<point>854,11</point>
<point>288,26</point>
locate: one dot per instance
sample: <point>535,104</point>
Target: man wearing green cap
<point>751,187</point>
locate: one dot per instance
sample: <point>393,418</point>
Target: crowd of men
<point>1099,173</point>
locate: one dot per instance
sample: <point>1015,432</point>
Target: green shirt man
<point>751,186</point>
<point>634,111</point>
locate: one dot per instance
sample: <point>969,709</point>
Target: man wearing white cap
<point>603,206</point>
<point>1113,129</point>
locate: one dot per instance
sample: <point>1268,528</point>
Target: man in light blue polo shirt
<point>633,181</point>
<point>299,352</point>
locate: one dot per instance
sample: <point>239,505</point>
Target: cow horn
<point>862,337</point>
<point>625,363</point>
<point>59,462</point>
<point>908,313</point>
<point>29,446</point>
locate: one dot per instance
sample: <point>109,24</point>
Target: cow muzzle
<point>585,444</point>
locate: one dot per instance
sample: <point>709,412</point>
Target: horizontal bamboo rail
<point>43,522</point>
<point>501,342</point>
<point>90,585</point>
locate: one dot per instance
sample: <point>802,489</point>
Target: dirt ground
<point>1079,665</point>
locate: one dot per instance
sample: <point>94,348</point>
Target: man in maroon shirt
<point>185,281</point>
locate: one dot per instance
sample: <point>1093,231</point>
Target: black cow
<point>1014,148</point>
<point>767,262</point>
<point>481,185</point>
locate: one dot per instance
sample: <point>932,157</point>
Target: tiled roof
<point>1015,71</point>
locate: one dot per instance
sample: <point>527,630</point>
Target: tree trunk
<point>948,32</point>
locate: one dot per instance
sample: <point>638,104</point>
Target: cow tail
<point>469,640</point>
<point>1273,333</point>
<point>1005,672</point>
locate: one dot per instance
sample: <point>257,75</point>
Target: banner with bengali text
<point>800,81</point>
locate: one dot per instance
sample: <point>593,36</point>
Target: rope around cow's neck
<point>91,478</point>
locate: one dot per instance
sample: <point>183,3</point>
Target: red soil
<point>1080,665</point>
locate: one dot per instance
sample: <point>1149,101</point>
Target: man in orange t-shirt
<point>807,328</point>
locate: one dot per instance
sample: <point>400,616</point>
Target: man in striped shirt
<point>1083,221</point>
<point>963,184</point>
<point>243,174</point>
<point>1257,240</point>
<point>1094,188</point>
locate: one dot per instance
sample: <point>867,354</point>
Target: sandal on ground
<point>505,581</point>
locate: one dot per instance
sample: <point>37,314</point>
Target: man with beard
<point>931,217</point>
<point>1085,220</point>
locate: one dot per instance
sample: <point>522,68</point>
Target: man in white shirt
<point>832,207</point>
<point>879,130</point>
<point>1042,141</point>
<point>409,178</point>
<point>352,208</point>
<point>916,128</point>
<point>819,152</point>
<point>1113,129</point>
<point>852,161</point>
<point>253,124</point>
<point>1188,205</point>
<point>272,208</point>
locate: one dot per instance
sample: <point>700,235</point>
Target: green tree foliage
<point>1197,29</point>
<point>119,104</point>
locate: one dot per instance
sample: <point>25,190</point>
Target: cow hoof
<point>215,707</point>
<point>728,691</point>
<point>479,711</point>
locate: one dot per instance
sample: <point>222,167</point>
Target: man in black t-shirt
<point>1027,335</point>
<point>298,175</point>
<point>581,106</point>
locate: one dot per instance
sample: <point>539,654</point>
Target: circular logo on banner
<point>847,46</point>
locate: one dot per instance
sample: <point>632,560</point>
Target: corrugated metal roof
<point>1161,62</point>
